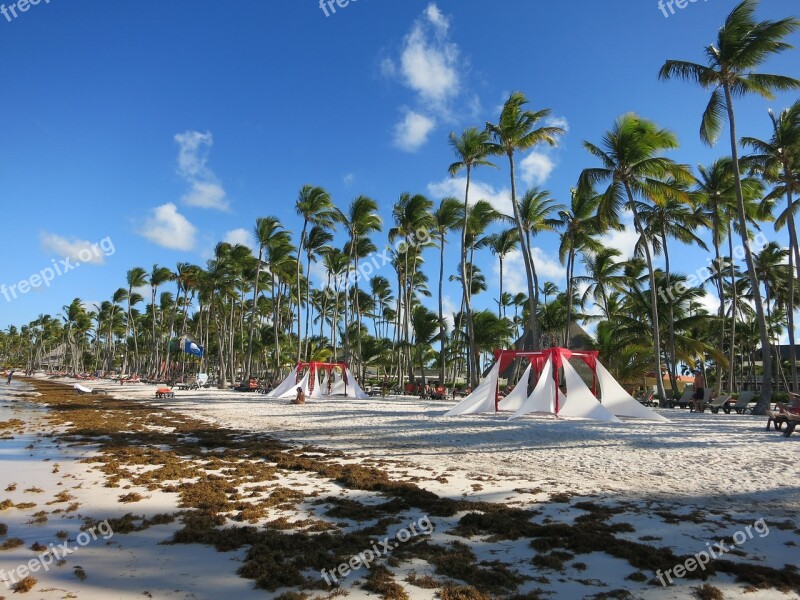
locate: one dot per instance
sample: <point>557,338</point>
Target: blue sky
<point>163,128</point>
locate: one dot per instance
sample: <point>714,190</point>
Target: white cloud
<point>429,65</point>
<point>429,61</point>
<point>624,241</point>
<point>535,169</point>
<point>709,302</point>
<point>168,228</point>
<point>206,195</point>
<point>449,308</point>
<point>500,199</point>
<point>412,132</point>
<point>77,250</point>
<point>241,236</point>
<point>349,179</point>
<point>206,190</point>
<point>514,278</point>
<point>557,122</point>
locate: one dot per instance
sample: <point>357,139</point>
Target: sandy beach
<point>144,474</point>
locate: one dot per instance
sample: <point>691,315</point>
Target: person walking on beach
<point>10,375</point>
<point>699,390</point>
<point>300,398</point>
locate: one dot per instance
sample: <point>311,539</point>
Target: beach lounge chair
<point>721,402</point>
<point>164,393</point>
<point>741,403</point>
<point>189,384</point>
<point>684,401</point>
<point>81,389</point>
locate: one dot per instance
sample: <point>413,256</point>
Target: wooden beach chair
<point>783,415</point>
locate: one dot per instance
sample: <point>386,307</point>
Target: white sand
<point>725,465</point>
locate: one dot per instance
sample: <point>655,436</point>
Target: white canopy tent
<point>482,400</point>
<point>578,402</point>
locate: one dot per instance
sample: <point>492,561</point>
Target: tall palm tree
<point>604,275</point>
<point>517,130</point>
<point>536,209</point>
<point>136,278</point>
<point>447,217</point>
<point>158,276</point>
<point>715,192</point>
<point>630,154</point>
<point>316,244</point>
<point>315,205</point>
<point>548,289</point>
<point>743,44</point>
<point>674,219</point>
<point>579,222</point>
<point>360,220</point>
<point>778,161</point>
<point>471,149</point>
<point>501,245</point>
<point>267,230</point>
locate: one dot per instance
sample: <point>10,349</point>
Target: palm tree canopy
<point>742,45</point>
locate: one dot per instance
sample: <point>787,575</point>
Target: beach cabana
<point>320,380</point>
<point>606,400</point>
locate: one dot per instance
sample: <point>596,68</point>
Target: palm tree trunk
<point>570,267</point>
<point>308,303</point>
<point>526,259</point>
<point>442,329</point>
<point>766,351</point>
<point>254,313</point>
<point>734,310</point>
<point>299,303</point>
<point>794,262</point>
<point>653,300</point>
<point>673,381</point>
<point>473,349</point>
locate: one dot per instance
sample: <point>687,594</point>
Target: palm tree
<point>446,217</point>
<point>471,148</point>
<point>631,159</point>
<point>536,209</point>
<point>267,231</point>
<point>360,220</point>
<point>743,44</point>
<point>136,278</point>
<point>604,275</point>
<point>580,223</point>
<point>158,276</point>
<point>778,161</point>
<point>501,245</point>
<point>316,244</point>
<point>314,204</point>
<point>672,218</point>
<point>517,131</point>
<point>548,289</point>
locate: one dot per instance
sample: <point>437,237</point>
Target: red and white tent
<point>320,380</point>
<point>606,404</point>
